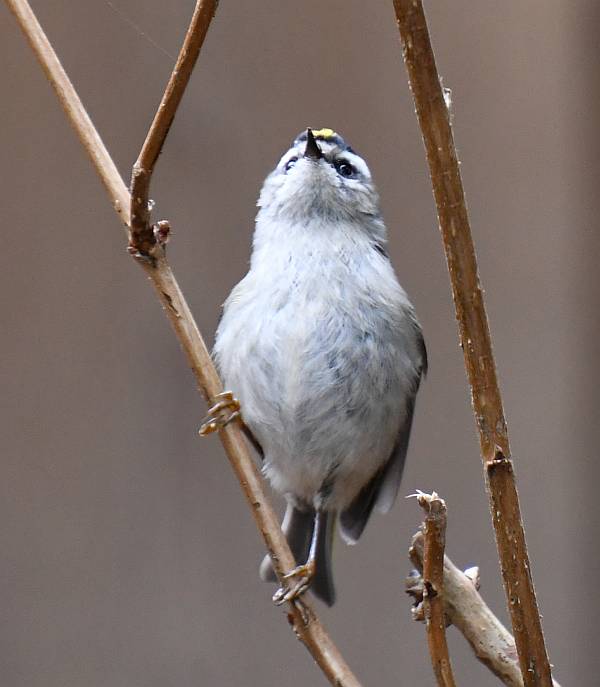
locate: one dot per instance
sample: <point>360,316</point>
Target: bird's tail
<point>298,527</point>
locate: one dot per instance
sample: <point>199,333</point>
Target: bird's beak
<point>312,150</point>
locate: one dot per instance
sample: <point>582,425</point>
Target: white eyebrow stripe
<point>357,162</point>
<point>292,152</point>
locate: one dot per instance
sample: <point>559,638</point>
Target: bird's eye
<point>345,169</point>
<point>290,163</point>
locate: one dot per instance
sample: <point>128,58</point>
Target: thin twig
<point>434,534</point>
<point>142,236</point>
<point>434,119</point>
<point>91,141</point>
<point>301,616</point>
<point>464,608</point>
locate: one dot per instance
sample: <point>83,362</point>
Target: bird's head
<point>320,176</point>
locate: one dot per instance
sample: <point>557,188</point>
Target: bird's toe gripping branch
<point>225,409</point>
<point>297,581</point>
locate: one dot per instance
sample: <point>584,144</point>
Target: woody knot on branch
<point>431,591</point>
<point>455,602</point>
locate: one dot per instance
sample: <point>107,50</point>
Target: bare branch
<point>91,141</point>
<point>301,616</point>
<point>464,607</point>
<point>434,119</point>
<point>142,235</point>
<point>434,534</point>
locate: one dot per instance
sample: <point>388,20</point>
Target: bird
<point>322,348</point>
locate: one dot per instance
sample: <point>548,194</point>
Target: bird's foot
<point>225,409</point>
<point>296,582</point>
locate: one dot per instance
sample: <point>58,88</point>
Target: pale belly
<point>324,392</point>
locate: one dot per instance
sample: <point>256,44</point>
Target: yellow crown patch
<point>324,133</point>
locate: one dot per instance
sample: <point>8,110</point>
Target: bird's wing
<point>253,440</point>
<point>382,490</point>
<point>392,472</point>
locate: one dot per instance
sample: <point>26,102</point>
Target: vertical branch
<point>434,120</point>
<point>434,536</point>
<point>301,616</point>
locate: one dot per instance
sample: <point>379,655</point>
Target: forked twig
<point>434,119</point>
<point>142,236</point>
<point>464,608</point>
<point>434,537</point>
<point>302,617</point>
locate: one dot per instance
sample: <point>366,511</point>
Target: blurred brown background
<point>127,554</point>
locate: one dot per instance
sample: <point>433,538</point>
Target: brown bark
<point>434,537</point>
<point>434,119</point>
<point>465,608</point>
<point>142,236</point>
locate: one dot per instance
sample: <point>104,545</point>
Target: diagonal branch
<point>434,120</point>
<point>434,537</point>
<point>142,235</point>
<point>301,616</point>
<point>74,109</point>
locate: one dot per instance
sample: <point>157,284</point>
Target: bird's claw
<point>300,579</point>
<point>225,409</point>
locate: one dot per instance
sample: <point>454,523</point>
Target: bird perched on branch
<point>322,347</point>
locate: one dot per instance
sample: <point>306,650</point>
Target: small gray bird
<point>322,347</point>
